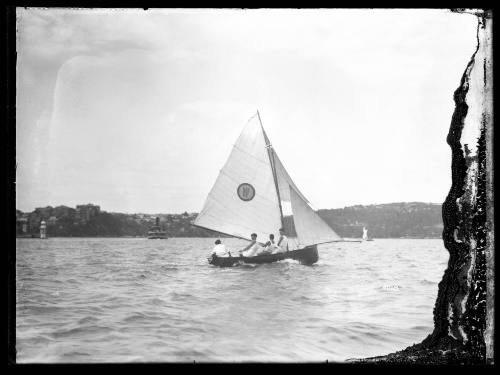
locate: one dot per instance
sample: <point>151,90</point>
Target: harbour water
<point>139,300</point>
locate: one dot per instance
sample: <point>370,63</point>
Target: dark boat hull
<point>307,255</point>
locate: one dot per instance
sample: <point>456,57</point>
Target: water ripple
<point>126,300</point>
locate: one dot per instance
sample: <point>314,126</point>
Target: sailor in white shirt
<point>270,246</point>
<point>282,245</point>
<point>253,247</point>
<point>220,249</point>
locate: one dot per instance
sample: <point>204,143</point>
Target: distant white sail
<point>310,228</point>
<point>243,199</point>
<point>365,234</point>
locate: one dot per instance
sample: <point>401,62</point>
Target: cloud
<point>143,97</point>
<point>58,34</point>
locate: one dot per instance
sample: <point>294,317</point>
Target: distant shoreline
<point>394,220</point>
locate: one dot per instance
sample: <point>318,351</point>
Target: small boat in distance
<point>365,235</point>
<point>255,194</point>
<point>155,232</point>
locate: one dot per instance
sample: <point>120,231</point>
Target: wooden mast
<point>270,153</point>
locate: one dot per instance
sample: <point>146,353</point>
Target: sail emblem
<point>246,192</point>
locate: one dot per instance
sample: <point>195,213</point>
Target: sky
<point>137,111</point>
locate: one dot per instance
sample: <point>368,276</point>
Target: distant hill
<point>89,221</point>
<point>392,220</point>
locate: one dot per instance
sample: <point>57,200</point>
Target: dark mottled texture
<point>460,312</point>
<point>457,223</point>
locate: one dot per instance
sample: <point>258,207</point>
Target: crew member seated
<point>253,247</point>
<point>282,245</point>
<point>269,247</point>
<point>220,249</point>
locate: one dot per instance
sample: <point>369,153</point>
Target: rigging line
<point>241,225</point>
<point>321,243</point>
<point>247,153</point>
<point>232,235</point>
<point>213,230</point>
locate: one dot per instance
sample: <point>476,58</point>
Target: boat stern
<point>308,255</point>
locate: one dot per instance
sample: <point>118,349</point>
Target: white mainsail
<point>310,228</point>
<point>250,191</point>
<point>243,199</point>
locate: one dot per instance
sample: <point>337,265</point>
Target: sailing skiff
<point>254,193</point>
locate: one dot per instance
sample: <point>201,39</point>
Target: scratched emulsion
<point>460,310</point>
<point>121,300</point>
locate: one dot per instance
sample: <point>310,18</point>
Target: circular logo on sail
<point>246,192</point>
